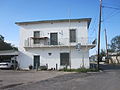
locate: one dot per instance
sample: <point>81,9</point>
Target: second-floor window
<point>36,34</point>
<point>72,35</point>
<point>36,37</point>
<point>53,38</point>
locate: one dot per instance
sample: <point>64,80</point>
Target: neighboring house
<point>7,52</point>
<point>114,57</point>
<point>55,43</point>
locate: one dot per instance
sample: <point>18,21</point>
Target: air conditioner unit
<point>78,46</point>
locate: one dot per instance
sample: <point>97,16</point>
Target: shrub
<point>79,70</point>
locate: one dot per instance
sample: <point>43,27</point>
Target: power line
<point>115,12</point>
<point>111,15</point>
<point>111,4</point>
<point>92,29</point>
<point>111,7</point>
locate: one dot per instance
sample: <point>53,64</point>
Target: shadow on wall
<point>24,60</point>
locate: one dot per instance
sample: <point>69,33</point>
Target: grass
<point>84,70</point>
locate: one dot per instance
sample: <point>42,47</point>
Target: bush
<point>43,68</point>
<point>79,70</point>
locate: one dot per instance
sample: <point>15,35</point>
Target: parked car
<point>8,64</point>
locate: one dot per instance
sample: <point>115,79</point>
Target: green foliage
<point>115,44</point>
<point>84,70</point>
<point>102,53</point>
<point>1,38</point>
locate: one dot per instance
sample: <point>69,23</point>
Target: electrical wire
<point>115,12</point>
<point>92,29</point>
<point>110,16</point>
<point>111,7</point>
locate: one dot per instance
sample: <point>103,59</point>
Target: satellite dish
<point>78,46</point>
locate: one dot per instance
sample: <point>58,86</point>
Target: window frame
<point>36,35</point>
<point>62,59</point>
<point>72,39</point>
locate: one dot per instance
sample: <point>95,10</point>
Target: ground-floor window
<point>36,62</point>
<point>64,58</point>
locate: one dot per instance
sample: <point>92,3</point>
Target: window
<point>36,37</point>
<point>36,41</point>
<point>64,58</point>
<point>72,35</point>
<point>36,34</point>
<point>53,38</point>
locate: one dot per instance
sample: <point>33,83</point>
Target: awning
<point>9,53</point>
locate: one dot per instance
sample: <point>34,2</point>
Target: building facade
<point>55,43</point>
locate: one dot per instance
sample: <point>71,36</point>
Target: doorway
<point>36,62</point>
<point>64,59</point>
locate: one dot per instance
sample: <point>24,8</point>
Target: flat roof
<point>8,53</point>
<point>53,21</point>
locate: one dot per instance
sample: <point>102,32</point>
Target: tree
<point>1,38</point>
<point>115,44</point>
<point>102,54</point>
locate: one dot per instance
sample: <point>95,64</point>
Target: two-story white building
<point>55,43</point>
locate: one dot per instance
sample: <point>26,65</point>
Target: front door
<point>36,61</point>
<point>53,39</point>
<point>64,59</point>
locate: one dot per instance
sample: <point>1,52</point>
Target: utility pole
<point>69,40</point>
<point>99,30</point>
<point>106,44</point>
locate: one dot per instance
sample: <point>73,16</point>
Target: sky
<point>12,11</point>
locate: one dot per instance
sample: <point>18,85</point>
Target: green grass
<point>79,70</point>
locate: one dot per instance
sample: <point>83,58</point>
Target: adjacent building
<point>7,51</point>
<point>55,43</point>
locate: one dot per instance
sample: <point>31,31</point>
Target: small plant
<point>43,68</point>
<point>84,70</point>
<point>30,67</point>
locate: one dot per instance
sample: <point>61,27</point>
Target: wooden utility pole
<point>99,30</point>
<point>106,44</point>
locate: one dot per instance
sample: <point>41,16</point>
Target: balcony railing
<point>30,42</point>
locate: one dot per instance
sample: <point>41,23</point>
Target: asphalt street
<point>109,79</point>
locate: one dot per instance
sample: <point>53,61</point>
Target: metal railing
<point>60,42</point>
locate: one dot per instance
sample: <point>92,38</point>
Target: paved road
<point>10,78</point>
<point>107,80</point>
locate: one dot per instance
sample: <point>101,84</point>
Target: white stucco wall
<point>77,58</point>
<point>61,28</point>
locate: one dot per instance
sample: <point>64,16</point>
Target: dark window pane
<point>72,35</point>
<point>64,58</point>
<point>53,39</point>
<point>36,37</point>
<point>37,34</point>
<point>36,41</point>
<point>36,61</point>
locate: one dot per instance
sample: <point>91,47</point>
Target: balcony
<point>61,42</point>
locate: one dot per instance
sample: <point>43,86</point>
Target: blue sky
<point>34,10</point>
